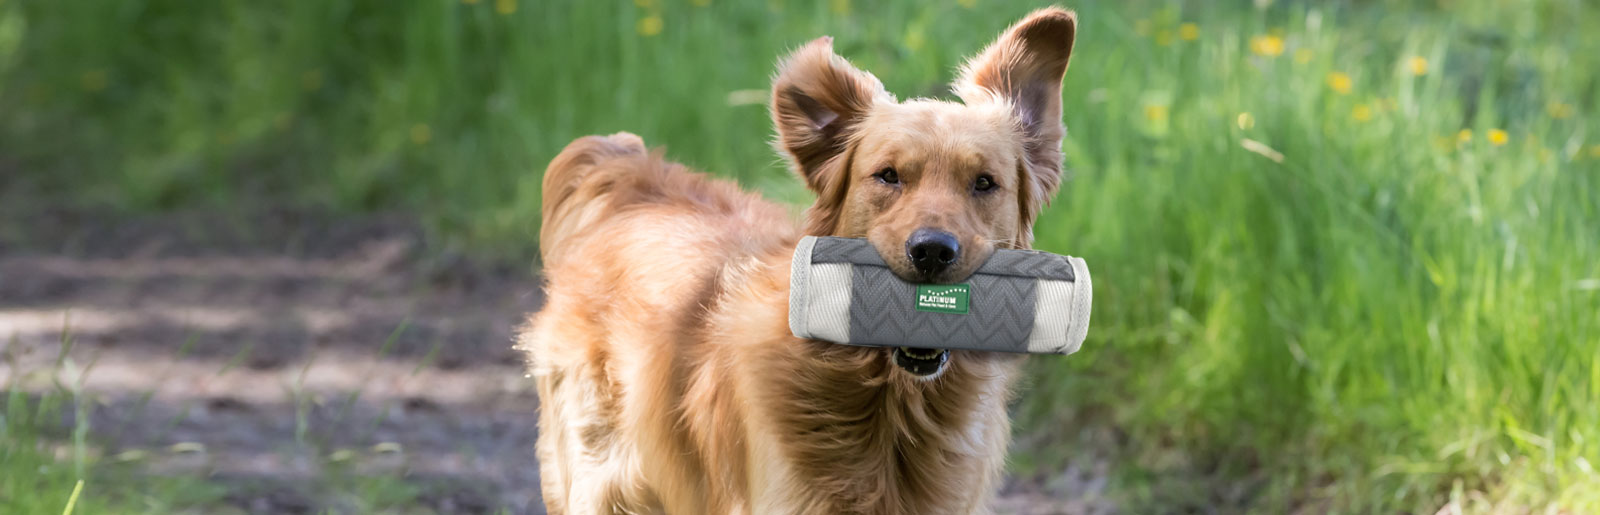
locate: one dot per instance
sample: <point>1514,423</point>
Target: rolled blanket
<point>841,291</point>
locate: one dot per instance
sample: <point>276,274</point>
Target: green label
<point>943,298</point>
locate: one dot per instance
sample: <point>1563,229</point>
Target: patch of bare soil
<point>280,355</point>
<point>276,353</point>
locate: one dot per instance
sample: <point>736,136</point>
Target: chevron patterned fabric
<point>882,314</point>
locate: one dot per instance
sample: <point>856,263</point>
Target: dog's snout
<point>932,251</point>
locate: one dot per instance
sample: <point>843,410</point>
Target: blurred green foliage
<point>1347,253</point>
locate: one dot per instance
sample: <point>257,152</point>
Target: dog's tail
<point>577,184</point>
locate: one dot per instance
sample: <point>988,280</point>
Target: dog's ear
<point>818,99</point>
<point>1024,68</point>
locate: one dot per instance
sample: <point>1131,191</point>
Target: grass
<point>1323,276</point>
<point>35,481</point>
<point>43,475</point>
<point>50,467</point>
<point>50,464</point>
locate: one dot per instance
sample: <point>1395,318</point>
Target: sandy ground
<point>275,352</point>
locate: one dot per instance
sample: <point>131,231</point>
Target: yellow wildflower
<point>1361,113</point>
<point>1164,37</point>
<point>915,37</point>
<point>1269,46</point>
<point>1594,151</point>
<point>1155,112</point>
<point>505,6</point>
<point>1418,65</point>
<point>1464,136</point>
<point>1189,31</point>
<point>1303,55</point>
<point>94,80</point>
<point>839,7</point>
<point>1560,111</point>
<point>650,25</point>
<point>421,134</point>
<point>1498,137</point>
<point>1339,82</point>
<point>1246,120</point>
<point>967,3</point>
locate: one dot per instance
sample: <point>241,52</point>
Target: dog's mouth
<point>921,362</point>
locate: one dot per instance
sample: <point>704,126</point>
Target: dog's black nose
<point>931,250</point>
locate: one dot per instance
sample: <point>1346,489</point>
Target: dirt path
<point>277,354</point>
<point>267,352</point>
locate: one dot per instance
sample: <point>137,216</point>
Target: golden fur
<point>668,378</point>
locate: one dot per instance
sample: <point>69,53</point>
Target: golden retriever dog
<point>668,379</point>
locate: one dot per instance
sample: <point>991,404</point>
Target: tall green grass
<point>1399,314</point>
<point>34,481</point>
<point>49,463</point>
<point>1366,309</point>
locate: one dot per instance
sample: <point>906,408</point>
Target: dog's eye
<point>888,176</point>
<point>984,183</point>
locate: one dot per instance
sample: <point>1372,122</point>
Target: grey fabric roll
<point>1017,301</point>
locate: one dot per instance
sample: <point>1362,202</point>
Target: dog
<point>668,379</point>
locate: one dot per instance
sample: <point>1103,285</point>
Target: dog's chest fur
<point>837,429</point>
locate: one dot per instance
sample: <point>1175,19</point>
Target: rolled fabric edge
<point>799,287</point>
<point>1052,317</point>
<point>828,302</point>
<point>1082,303</point>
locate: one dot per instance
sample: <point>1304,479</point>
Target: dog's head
<point>935,186</point>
